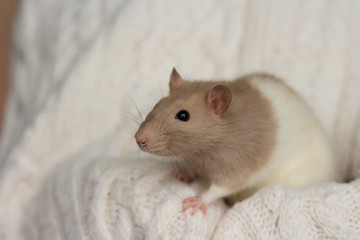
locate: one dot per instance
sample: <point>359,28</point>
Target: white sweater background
<point>69,166</point>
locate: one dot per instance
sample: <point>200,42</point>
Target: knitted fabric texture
<point>138,199</point>
<point>69,165</point>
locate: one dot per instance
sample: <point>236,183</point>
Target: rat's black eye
<point>183,115</point>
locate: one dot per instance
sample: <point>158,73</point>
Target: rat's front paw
<point>182,177</point>
<point>195,203</point>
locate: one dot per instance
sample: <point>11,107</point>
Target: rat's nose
<point>142,141</point>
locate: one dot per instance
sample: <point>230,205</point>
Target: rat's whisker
<point>126,144</point>
<point>137,109</point>
<point>127,114</point>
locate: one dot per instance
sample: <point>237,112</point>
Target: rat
<point>237,136</point>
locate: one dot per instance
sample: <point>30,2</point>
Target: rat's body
<point>237,135</point>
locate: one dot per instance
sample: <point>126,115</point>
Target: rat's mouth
<point>156,145</point>
<point>156,151</point>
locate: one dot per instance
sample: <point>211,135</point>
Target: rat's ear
<point>175,80</point>
<point>219,99</point>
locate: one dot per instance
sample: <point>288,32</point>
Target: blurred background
<point>71,69</point>
<point>313,45</point>
<point>7,12</point>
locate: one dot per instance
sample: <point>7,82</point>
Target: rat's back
<point>302,154</point>
<point>258,131</point>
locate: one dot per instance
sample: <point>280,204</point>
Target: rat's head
<point>187,120</point>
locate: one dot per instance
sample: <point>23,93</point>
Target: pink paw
<point>196,204</point>
<point>182,177</point>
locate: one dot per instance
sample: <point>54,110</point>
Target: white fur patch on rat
<point>237,135</point>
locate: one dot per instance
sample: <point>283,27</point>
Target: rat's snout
<point>150,141</point>
<point>141,140</point>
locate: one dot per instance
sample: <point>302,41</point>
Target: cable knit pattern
<point>115,199</point>
<point>69,167</point>
<point>328,211</point>
<point>138,199</point>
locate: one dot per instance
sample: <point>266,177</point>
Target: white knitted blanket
<point>69,167</point>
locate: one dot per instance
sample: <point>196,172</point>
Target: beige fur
<point>226,150</point>
<point>232,135</point>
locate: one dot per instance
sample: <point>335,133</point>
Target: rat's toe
<point>196,204</point>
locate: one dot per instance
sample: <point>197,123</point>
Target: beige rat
<point>237,135</point>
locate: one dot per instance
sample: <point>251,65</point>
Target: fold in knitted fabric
<point>139,199</point>
<point>69,166</point>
